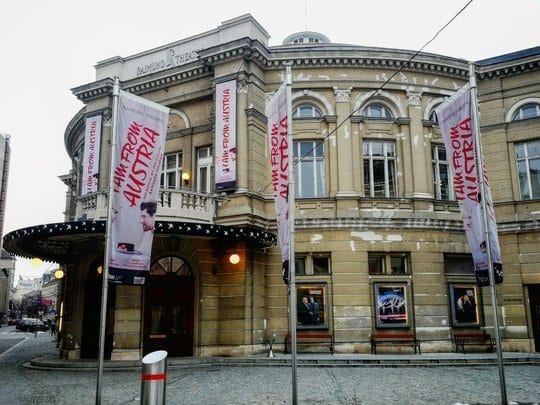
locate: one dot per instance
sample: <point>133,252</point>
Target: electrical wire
<point>403,66</point>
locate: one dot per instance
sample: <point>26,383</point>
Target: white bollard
<point>153,378</point>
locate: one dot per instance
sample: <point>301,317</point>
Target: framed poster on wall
<point>391,305</point>
<point>311,306</point>
<point>464,306</point>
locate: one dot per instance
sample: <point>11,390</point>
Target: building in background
<point>7,265</point>
<point>379,238</point>
<point>7,273</point>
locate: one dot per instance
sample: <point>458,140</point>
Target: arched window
<point>306,111</point>
<point>433,118</point>
<point>171,266</point>
<point>526,111</point>
<point>377,110</point>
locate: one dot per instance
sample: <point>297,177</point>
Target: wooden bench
<point>311,339</point>
<point>473,339</point>
<point>390,339</point>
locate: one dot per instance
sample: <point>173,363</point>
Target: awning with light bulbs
<point>53,242</point>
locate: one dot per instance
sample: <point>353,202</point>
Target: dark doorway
<point>91,315</point>
<point>534,299</point>
<point>168,308</point>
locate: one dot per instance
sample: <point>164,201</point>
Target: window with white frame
<point>388,263</point>
<point>171,171</point>
<point>379,168</point>
<point>204,169</point>
<point>313,264</point>
<point>306,111</point>
<point>526,111</point>
<point>377,110</point>
<point>309,170</point>
<point>442,184</point>
<point>528,166</point>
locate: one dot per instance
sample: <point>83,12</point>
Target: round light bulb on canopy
<point>59,273</point>
<point>36,262</point>
<point>234,258</point>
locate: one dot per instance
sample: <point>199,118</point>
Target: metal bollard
<point>153,378</point>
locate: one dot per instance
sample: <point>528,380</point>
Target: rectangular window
<point>171,171</point>
<point>312,264</point>
<point>388,263</point>
<point>458,264</point>
<point>309,169</point>
<point>442,184</point>
<point>528,166</point>
<point>204,169</point>
<point>379,169</point>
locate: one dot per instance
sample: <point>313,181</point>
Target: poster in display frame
<point>391,305</point>
<point>312,306</point>
<point>464,304</point>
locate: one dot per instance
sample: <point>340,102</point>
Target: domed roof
<point>306,37</point>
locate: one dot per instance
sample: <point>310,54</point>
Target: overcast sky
<point>49,47</point>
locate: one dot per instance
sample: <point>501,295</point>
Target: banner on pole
<point>459,134</point>
<point>92,142</point>
<point>225,150</point>
<point>141,128</point>
<point>280,159</point>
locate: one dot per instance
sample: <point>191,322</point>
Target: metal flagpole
<point>291,209</point>
<point>105,286</point>
<point>480,162</point>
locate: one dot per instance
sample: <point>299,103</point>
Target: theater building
<point>379,240</point>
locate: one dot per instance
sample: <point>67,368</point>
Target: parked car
<point>31,324</point>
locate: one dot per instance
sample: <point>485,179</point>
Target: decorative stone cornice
<point>486,73</point>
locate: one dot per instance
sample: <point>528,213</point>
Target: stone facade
<point>351,229</point>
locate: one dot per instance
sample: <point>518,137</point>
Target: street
<point>215,384</point>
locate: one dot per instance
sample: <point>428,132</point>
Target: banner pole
<point>291,209</point>
<point>480,163</point>
<point>105,284</point>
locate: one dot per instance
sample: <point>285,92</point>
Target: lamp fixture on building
<point>59,273</point>
<point>234,258</point>
<point>185,179</point>
<point>220,252</point>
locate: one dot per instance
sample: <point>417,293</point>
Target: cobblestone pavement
<point>259,385</point>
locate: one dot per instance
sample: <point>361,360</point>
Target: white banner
<point>459,134</point>
<point>92,142</point>
<point>280,159</point>
<point>225,150</point>
<point>141,128</point>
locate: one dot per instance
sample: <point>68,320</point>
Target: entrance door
<point>168,309</point>
<point>534,299</point>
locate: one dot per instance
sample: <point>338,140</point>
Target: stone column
<point>343,142</point>
<point>127,323</point>
<point>419,149</point>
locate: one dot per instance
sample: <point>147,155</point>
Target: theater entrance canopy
<point>61,242</point>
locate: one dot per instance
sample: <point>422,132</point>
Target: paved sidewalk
<point>442,378</point>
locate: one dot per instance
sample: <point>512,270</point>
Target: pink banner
<point>92,142</point>
<point>225,149</point>
<point>140,140</point>
<point>280,159</point>
<point>459,134</point>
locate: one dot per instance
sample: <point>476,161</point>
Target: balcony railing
<point>173,205</point>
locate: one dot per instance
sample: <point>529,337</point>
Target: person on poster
<point>305,313</point>
<point>315,311</point>
<point>465,310</point>
<point>147,221</point>
<point>139,256</point>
